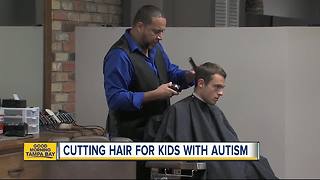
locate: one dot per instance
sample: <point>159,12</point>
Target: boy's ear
<point>200,83</point>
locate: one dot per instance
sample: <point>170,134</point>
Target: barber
<point>138,76</point>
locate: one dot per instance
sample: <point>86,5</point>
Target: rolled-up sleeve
<point>118,73</point>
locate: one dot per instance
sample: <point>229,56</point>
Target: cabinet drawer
<point>13,166</point>
<point>32,170</point>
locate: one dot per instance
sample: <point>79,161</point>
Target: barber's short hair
<point>146,13</point>
<point>206,70</point>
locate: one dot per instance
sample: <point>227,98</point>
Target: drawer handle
<point>15,172</point>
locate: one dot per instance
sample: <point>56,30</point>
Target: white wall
<point>21,63</point>
<point>262,98</point>
<point>302,104</point>
<point>91,46</point>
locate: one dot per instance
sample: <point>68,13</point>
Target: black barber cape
<point>191,120</point>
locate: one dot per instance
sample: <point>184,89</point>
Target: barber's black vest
<point>131,124</point>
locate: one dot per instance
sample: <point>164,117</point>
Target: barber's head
<point>209,82</point>
<point>149,25</point>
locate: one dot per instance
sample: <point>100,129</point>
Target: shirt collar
<point>132,43</point>
<point>197,96</point>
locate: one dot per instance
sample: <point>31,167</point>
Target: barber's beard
<point>146,44</point>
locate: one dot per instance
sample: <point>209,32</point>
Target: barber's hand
<point>190,75</point>
<point>164,91</point>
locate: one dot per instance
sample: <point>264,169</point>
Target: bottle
<point>1,120</point>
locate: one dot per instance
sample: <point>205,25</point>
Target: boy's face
<point>212,91</point>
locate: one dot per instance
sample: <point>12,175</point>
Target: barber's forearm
<point>150,96</point>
